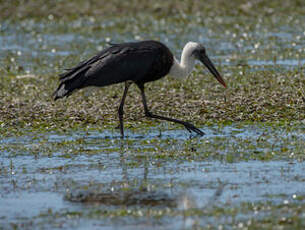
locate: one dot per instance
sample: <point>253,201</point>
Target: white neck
<point>183,69</point>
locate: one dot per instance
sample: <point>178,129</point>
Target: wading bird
<point>139,63</point>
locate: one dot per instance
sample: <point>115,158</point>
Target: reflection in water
<point>124,166</point>
<point>149,173</point>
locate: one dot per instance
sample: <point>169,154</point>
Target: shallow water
<point>196,172</point>
<point>47,46</point>
<point>210,179</point>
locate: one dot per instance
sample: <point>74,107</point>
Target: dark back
<point>140,62</point>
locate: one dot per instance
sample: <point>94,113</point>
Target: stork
<point>139,63</point>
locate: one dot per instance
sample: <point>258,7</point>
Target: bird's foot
<point>191,128</point>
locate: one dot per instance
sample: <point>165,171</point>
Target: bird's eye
<point>196,53</point>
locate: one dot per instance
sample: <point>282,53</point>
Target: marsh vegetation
<point>63,164</point>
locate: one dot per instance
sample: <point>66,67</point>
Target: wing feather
<point>118,63</point>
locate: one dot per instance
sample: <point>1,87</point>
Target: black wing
<point>118,63</point>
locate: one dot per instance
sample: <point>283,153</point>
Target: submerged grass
<point>254,144</point>
<point>260,215</point>
<point>261,96</point>
<point>20,9</point>
<point>236,32</point>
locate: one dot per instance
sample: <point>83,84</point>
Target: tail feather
<point>73,74</point>
<point>69,83</point>
<point>60,92</point>
<point>74,78</point>
<point>84,65</point>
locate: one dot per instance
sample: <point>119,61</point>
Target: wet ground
<point>47,46</point>
<point>157,179</point>
<point>63,165</point>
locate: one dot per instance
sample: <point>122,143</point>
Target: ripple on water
<point>83,37</point>
<point>96,171</point>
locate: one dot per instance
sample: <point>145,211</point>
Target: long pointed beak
<point>207,62</point>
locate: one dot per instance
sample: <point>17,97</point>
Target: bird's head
<point>198,51</point>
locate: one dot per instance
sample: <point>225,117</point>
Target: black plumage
<point>139,62</point>
<point>135,62</point>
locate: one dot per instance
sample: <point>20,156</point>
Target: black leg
<point>190,127</point>
<point>121,107</point>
